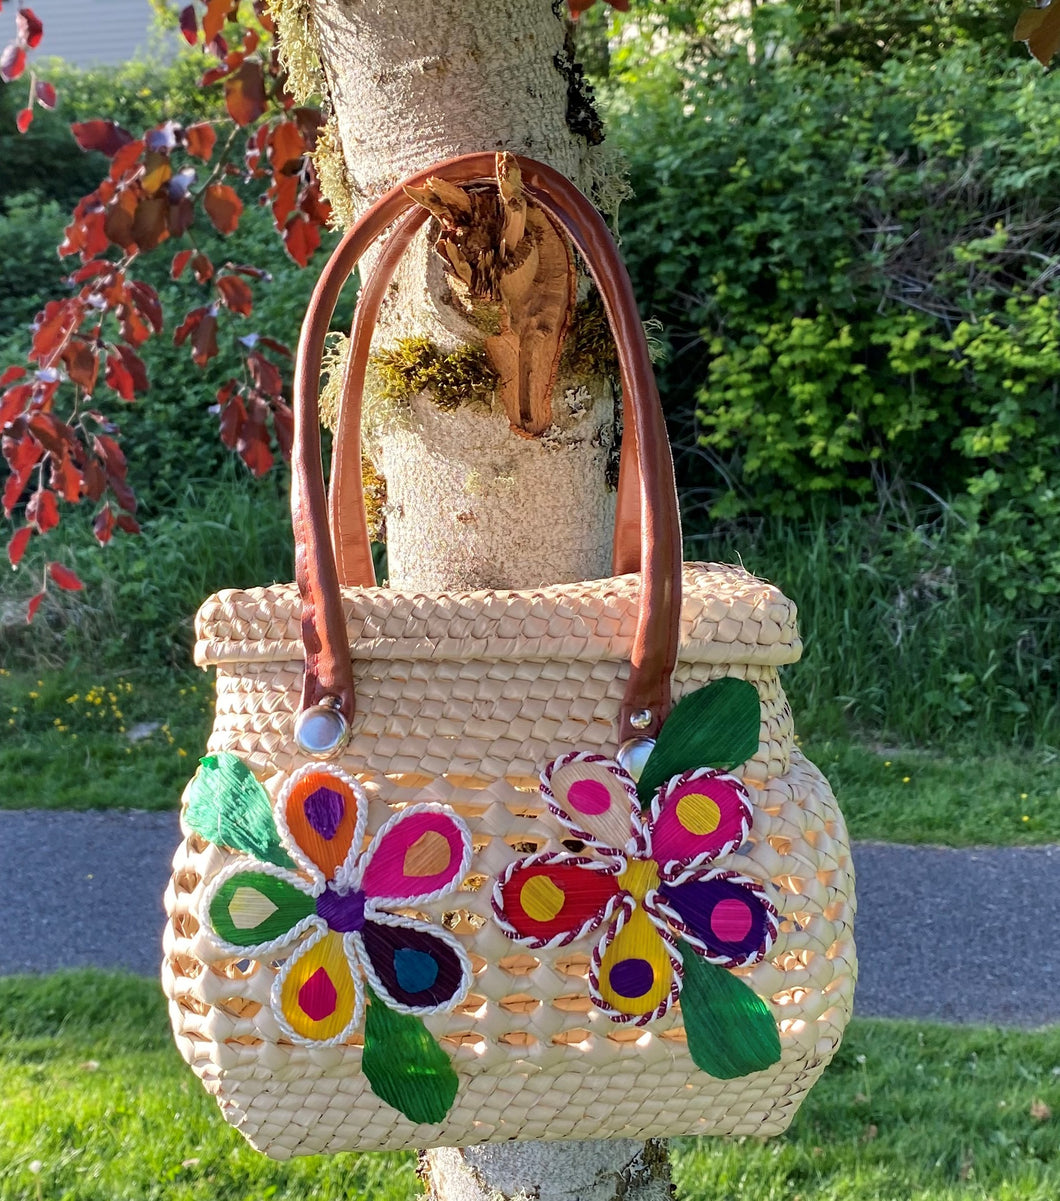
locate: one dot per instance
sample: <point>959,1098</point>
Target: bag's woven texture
<point>462,699</point>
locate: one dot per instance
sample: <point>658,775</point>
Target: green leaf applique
<point>227,806</point>
<point>405,1065</point>
<point>731,1030</point>
<point>715,726</point>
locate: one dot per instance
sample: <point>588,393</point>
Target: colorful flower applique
<point>672,920</point>
<point>313,898</point>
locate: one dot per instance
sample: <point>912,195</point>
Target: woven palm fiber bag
<point>528,864</point>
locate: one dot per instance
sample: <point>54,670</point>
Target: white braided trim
<point>262,949</point>
<point>276,995</point>
<point>689,935</point>
<point>357,874</point>
<point>571,823</point>
<point>292,847</point>
<point>356,943</point>
<point>541,858</point>
<point>596,962</point>
<point>673,867</point>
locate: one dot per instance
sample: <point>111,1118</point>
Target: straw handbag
<point>479,866</point>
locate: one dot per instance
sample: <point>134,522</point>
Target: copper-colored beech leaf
<point>188,325</point>
<point>118,222</point>
<point>180,261</point>
<point>135,367</point>
<point>253,445</point>
<point>189,26</point>
<point>64,577</point>
<point>129,524</point>
<point>236,294</point>
<point>213,20</point>
<point>200,139</point>
<point>146,300</point>
<point>43,510</point>
<point>283,423</point>
<point>133,327</point>
<point>284,193</point>
<point>117,377</point>
<point>10,375</point>
<point>157,171</point>
<point>233,416</point>
<point>16,548</point>
<point>301,238</point>
<point>286,147</point>
<point>45,94</point>
<point>204,340</point>
<point>81,362</point>
<point>12,62</point>
<point>245,93</point>
<point>223,207</point>
<point>54,435</point>
<point>1040,29</point>
<point>103,525</point>
<point>181,215</point>
<point>266,378</point>
<point>150,222</point>
<point>104,136</point>
<point>33,606</point>
<point>125,158</point>
<point>29,27</point>
<point>24,119</point>
<point>66,479</point>
<point>202,267</point>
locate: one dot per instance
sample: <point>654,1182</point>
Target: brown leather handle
<point>328,672</point>
<point>349,519</point>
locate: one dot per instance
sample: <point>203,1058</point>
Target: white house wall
<point>96,33</point>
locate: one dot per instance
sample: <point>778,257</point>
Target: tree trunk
<point>471,502</point>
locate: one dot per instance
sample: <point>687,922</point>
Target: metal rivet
<point>641,720</point>
<point>633,754</point>
<point>321,730</point>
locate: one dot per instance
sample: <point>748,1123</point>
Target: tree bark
<point>471,502</point>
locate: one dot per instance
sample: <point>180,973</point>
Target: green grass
<point>965,798</point>
<point>98,1107</point>
<point>81,738</point>
<point>908,640</point>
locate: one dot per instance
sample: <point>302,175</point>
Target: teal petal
<point>715,726</point>
<point>405,1066</point>
<point>227,806</point>
<point>731,1030</point>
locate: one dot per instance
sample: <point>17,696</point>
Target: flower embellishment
<point>674,918</point>
<point>649,880</point>
<point>334,911</point>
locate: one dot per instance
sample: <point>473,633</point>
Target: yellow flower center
<point>639,878</point>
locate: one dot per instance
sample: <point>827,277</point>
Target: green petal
<point>227,806</point>
<point>715,726</point>
<point>731,1030</point>
<point>254,907</point>
<point>405,1066</point>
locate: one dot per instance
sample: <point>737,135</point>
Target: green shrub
<point>856,272</point>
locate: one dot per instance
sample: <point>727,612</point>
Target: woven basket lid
<point>727,616</point>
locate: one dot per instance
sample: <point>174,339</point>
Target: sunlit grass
<point>83,738</point>
<point>99,1107</point>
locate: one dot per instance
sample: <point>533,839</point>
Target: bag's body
<point>463,700</point>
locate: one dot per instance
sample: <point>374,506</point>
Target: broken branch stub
<point>506,253</point>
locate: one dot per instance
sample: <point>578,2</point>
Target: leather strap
<point>346,509</point>
<point>328,671</point>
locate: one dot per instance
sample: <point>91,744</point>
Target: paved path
<point>956,935</point>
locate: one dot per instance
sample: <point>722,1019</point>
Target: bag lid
<point>727,616</point>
